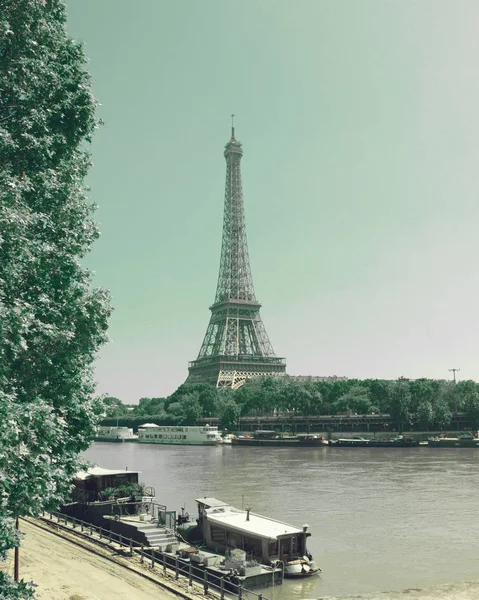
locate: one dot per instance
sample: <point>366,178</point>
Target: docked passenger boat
<point>115,434</point>
<point>223,528</point>
<point>206,435</point>
<point>464,440</point>
<point>273,438</point>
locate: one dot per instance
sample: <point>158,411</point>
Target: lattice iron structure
<point>236,346</point>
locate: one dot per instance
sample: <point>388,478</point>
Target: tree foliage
<point>51,320</point>
<point>425,402</point>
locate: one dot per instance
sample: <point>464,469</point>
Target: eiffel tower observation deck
<point>236,346</point>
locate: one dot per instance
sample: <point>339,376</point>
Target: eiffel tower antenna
<point>236,346</point>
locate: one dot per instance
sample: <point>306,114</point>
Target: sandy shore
<point>65,571</point>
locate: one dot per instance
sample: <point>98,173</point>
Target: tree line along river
<point>382,519</point>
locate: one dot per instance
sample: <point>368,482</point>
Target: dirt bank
<point>65,571</point>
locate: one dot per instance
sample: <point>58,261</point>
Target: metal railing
<point>221,586</point>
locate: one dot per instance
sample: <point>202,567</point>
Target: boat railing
<point>185,572</point>
<point>156,513</point>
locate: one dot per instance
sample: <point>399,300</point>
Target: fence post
<point>131,546</point>
<point>176,568</point>
<point>120,540</point>
<point>109,536</point>
<point>190,575</point>
<point>240,592</point>
<point>51,516</point>
<point>58,518</point>
<point>260,596</point>
<point>205,581</point>
<point>91,529</point>
<point>141,554</point>
<point>81,525</point>
<point>164,563</point>
<point>152,558</point>
<point>222,586</point>
<point>73,523</point>
<point>101,532</point>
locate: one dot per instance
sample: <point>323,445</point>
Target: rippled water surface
<point>394,524</point>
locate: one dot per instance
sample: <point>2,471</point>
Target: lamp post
<point>454,373</point>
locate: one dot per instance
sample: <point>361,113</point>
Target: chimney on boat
<point>305,528</point>
<point>247,512</point>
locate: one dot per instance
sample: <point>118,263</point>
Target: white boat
<point>149,433</point>
<point>115,434</point>
<point>225,528</point>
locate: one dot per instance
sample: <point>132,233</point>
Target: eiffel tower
<point>236,346</point>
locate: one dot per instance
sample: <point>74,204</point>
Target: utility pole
<point>454,373</point>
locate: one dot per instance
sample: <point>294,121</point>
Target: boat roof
<point>211,502</point>
<point>99,472</point>
<point>232,518</point>
<point>149,425</point>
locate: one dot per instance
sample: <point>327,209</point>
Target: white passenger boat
<point>225,528</point>
<point>149,433</point>
<point>107,433</point>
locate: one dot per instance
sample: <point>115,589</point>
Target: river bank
<point>65,570</point>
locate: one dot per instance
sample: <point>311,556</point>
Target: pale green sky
<point>359,126</point>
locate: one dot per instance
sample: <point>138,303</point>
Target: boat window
<point>253,547</point>
<point>273,549</point>
<point>218,535</point>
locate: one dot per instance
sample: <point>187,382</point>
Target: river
<point>388,524</point>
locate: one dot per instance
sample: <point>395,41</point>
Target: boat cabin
<point>88,485</point>
<point>225,528</point>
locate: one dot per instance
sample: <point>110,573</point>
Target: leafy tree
<point>470,403</point>
<point>400,407</point>
<point>150,406</point>
<point>379,391</point>
<point>208,397</point>
<point>301,397</point>
<point>425,413</point>
<point>356,400</point>
<point>51,321</point>
<point>244,398</point>
<point>114,407</point>
<point>228,411</point>
<point>175,410</point>
<point>441,413</point>
<point>190,408</point>
<point>466,392</point>
<point>423,391</point>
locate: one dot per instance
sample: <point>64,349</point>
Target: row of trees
<point>430,402</point>
<point>51,320</point>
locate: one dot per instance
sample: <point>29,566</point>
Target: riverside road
<point>382,520</point>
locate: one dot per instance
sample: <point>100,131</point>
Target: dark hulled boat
<point>399,441</point>
<point>464,440</point>
<point>273,438</point>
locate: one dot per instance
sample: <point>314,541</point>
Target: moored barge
<point>399,441</point>
<point>223,528</point>
<point>273,438</point>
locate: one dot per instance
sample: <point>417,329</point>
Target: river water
<point>386,523</point>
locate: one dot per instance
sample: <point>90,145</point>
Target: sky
<point>360,134</point>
